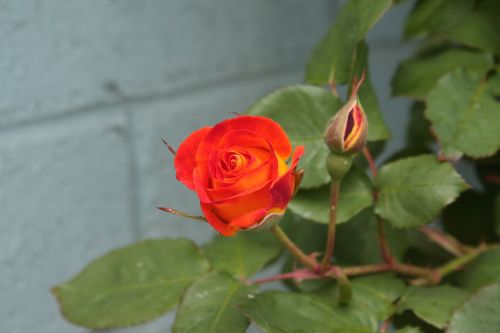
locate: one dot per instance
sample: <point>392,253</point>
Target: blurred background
<point>89,89</point>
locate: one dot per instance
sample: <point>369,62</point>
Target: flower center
<point>232,161</point>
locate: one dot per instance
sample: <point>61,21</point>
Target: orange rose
<point>238,169</point>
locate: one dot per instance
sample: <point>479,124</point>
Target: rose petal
<point>263,126</point>
<point>248,219</point>
<point>282,190</point>
<point>200,187</point>
<point>185,161</point>
<point>240,205</point>
<point>246,184</point>
<point>224,228</point>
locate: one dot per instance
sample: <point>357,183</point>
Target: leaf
<point>332,58</point>
<point>280,312</point>
<point>244,254</point>
<point>409,329</point>
<point>462,21</point>
<point>418,130</point>
<point>373,298</point>
<point>431,16</point>
<point>416,77</point>
<point>131,285</point>
<point>464,114</point>
<point>434,305</point>
<point>303,112</point>
<point>209,306</point>
<point>482,271</point>
<point>480,313</point>
<point>471,206</point>
<point>494,84</point>
<point>360,234</point>
<point>497,213</point>
<point>413,190</point>
<point>377,129</point>
<point>355,195</point>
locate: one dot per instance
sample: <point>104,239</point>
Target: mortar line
<point>181,91</point>
<point>133,170</point>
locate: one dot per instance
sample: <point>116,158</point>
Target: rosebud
<point>347,130</point>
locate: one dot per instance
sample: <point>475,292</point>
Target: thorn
<point>169,147</point>
<point>236,113</point>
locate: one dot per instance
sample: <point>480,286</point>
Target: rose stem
<point>292,248</point>
<point>459,262</point>
<point>301,274</point>
<point>447,242</point>
<point>385,325</point>
<point>385,250</point>
<point>332,225</point>
<point>371,162</point>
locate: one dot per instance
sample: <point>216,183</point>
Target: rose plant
<point>402,245</point>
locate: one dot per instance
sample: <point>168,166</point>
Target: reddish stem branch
<point>299,275</point>
<point>371,162</point>
<point>385,325</point>
<point>332,225</point>
<point>385,251</point>
<point>447,242</point>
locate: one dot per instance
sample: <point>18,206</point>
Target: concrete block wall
<point>88,89</point>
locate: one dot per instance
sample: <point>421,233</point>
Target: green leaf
<point>409,329</point>
<point>464,114</point>
<point>377,129</point>
<point>303,112</point>
<point>418,130</point>
<point>497,212</point>
<point>483,271</point>
<point>413,190</point>
<point>210,306</point>
<point>373,298</point>
<point>431,16</point>
<point>494,84</point>
<point>472,23</point>
<point>480,313</point>
<point>244,254</point>
<point>131,285</point>
<point>471,206</point>
<point>280,312</point>
<point>416,77</point>
<point>360,234</point>
<point>332,58</point>
<point>434,305</point>
<point>355,195</point>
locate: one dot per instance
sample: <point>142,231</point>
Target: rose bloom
<point>238,170</point>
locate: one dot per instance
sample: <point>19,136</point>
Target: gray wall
<point>88,89</point>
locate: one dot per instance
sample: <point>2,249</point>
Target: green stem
<point>292,248</point>
<point>343,285</point>
<point>332,225</point>
<point>459,262</point>
<point>427,273</point>
<point>366,269</point>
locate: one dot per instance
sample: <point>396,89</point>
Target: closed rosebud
<point>347,130</point>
